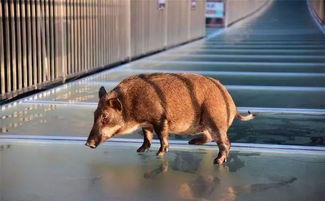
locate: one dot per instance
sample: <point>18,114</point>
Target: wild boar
<point>180,103</point>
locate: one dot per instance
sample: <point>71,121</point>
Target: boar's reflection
<point>205,186</point>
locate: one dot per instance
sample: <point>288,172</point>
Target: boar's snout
<point>93,140</point>
<point>91,145</point>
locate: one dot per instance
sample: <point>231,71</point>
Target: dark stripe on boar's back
<point>159,92</point>
<point>190,88</point>
<point>225,98</point>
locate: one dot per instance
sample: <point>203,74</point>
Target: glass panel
<point>70,171</point>
<point>43,119</point>
<point>243,96</point>
<point>76,120</point>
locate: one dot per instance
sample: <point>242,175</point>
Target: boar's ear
<point>115,103</point>
<point>102,92</point>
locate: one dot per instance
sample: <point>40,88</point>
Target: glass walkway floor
<point>56,170</point>
<point>272,64</point>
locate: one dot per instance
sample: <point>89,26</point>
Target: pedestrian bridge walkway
<point>273,64</point>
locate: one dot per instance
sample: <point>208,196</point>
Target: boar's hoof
<point>220,160</point>
<point>162,151</point>
<point>143,148</point>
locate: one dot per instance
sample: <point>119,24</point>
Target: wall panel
<point>48,41</point>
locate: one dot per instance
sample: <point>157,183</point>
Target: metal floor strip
<point>284,74</point>
<point>156,141</point>
<point>307,64</point>
<point>315,111</point>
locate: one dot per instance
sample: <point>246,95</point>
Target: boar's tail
<point>245,118</point>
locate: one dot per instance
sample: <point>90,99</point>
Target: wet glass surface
<point>37,171</point>
<point>47,120</point>
<point>290,129</point>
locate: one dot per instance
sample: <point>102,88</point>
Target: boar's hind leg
<point>224,146</point>
<point>148,135</point>
<point>162,133</point>
<point>201,139</point>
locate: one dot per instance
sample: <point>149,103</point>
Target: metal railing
<point>48,41</point>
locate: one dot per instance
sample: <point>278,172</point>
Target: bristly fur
<point>161,103</point>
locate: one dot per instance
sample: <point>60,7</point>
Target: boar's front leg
<point>148,135</point>
<point>162,133</point>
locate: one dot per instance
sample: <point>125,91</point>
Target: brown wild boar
<point>179,103</point>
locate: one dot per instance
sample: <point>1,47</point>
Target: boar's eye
<point>105,118</point>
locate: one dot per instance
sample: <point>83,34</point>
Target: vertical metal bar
<point>29,42</point>
<point>189,9</point>
<point>92,25</point>
<point>18,45</point>
<point>129,42</point>
<point>60,39</point>
<point>52,40</point>
<point>39,41</point>
<point>34,42</point>
<point>77,34</point>
<point>91,34</point>
<point>2,57</point>
<point>73,36</point>
<point>113,33</point>
<point>68,20</point>
<point>13,46</point>
<point>24,43</point>
<point>47,62</point>
<point>80,36</point>
<point>71,23</point>
<point>103,27</point>
<point>99,19</point>
<point>93,30</point>
<point>103,31</point>
<point>132,19</point>
<point>117,29</point>
<point>108,49</point>
<point>88,4</point>
<point>109,31</point>
<point>43,29</point>
<point>96,34</point>
<point>7,45</point>
<point>99,33</point>
<point>83,36</point>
